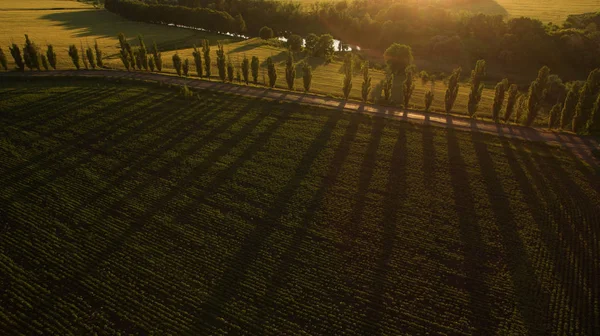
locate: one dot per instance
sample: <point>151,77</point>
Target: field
<point>124,207</point>
<point>65,27</point>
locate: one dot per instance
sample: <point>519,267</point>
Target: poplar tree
<point>230,70</point>
<point>186,67</point>
<point>408,86</point>
<point>583,111</point>
<point>98,54</point>
<point>177,63</point>
<point>537,94</point>
<point>254,65</point>
<point>347,83</point>
<point>151,63</point>
<point>306,76</point>
<point>386,87</point>
<point>221,62</point>
<point>513,95</point>
<point>428,100</point>
<point>126,53</point>
<point>157,57</point>
<point>477,75</point>
<point>51,55</point>
<point>366,84</point>
<point>197,61</point>
<point>246,69</point>
<point>206,51</point>
<point>290,71</point>
<point>271,72</point>
<point>143,54</point>
<point>31,54</point>
<point>74,54</point>
<point>568,111</point>
<point>499,94</point>
<point>83,56</point>
<point>452,90</point>
<point>15,52</point>
<point>90,56</point>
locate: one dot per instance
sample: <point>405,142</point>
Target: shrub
<point>246,69</point>
<point>254,65</point>
<point>51,55</point>
<point>477,75</point>
<point>290,71</point>
<point>306,76</point>
<point>452,90</point>
<point>499,98</point>
<point>366,84</point>
<point>177,63</point>
<point>265,33</point>
<point>74,54</point>
<point>271,72</point>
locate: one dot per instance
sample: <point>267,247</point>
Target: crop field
<point>126,208</point>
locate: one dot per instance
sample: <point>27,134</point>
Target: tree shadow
<point>278,58</point>
<point>245,47</point>
<point>234,273</point>
<point>475,252</point>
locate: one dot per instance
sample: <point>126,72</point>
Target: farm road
<point>581,146</point>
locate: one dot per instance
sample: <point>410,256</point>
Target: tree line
<point>574,106</point>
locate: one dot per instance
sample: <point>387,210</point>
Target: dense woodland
<point>436,34</point>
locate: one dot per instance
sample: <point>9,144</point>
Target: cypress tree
<point>15,52</point>
<point>177,63</point>
<point>229,70</point>
<point>221,62</point>
<point>477,75</point>
<point>271,72</point>
<point>290,71</point>
<point>186,67</point>
<point>3,60</point>
<point>83,57</point>
<point>452,90</point>
<point>98,54</point>
<point>126,53</point>
<point>143,54</point>
<point>386,86</point>
<point>583,111</point>
<point>246,69</point>
<point>51,55</point>
<point>206,51</point>
<point>255,66</point>
<point>74,54</point>
<point>347,83</point>
<point>593,125</point>
<point>366,84</point>
<point>537,94</point>
<point>157,56</point>
<point>306,76</point>
<point>513,95</point>
<point>44,62</point>
<point>151,63</point>
<point>90,56</point>
<point>408,86</point>
<point>568,111</point>
<point>499,94</point>
<point>197,61</point>
<point>31,54</point>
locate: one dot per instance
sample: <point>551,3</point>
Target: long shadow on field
<point>573,239</point>
<point>475,252</point>
<point>289,258</point>
<point>209,313</point>
<point>395,196</point>
<point>524,279</point>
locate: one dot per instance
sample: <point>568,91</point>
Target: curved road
<point>581,146</point>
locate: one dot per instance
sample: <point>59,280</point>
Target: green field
<point>124,207</point>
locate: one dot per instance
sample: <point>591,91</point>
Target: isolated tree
<point>83,57</point>
<point>157,57</point>
<point>306,76</point>
<point>347,83</point>
<point>499,94</point>
<point>271,72</point>
<point>513,95</point>
<point>568,111</point>
<point>51,55</point>
<point>151,63</point>
<point>295,43</point>
<point>424,77</point>
<point>398,57</point>
<point>229,70</point>
<point>44,62</point>
<point>197,60</point>
<point>290,71</point>
<point>386,87</point>
<point>206,52</point>
<point>537,94</point>
<point>583,111</point>
<point>366,84</point>
<point>428,100</point>
<point>185,67</point>
<point>265,33</point>
<point>246,69</point>
<point>3,60</point>
<point>254,65</point>
<point>408,87</point>
<point>221,62</point>
<point>554,115</point>
<point>240,24</point>
<point>452,90</point>
<point>90,56</point>
<point>593,125</point>
<point>143,52</point>
<point>98,55</point>
<point>15,52</point>
<point>31,55</point>
<point>477,75</point>
<point>177,63</point>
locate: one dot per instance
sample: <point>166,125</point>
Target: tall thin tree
<point>477,75</point>
<point>198,61</point>
<point>51,55</point>
<point>271,72</point>
<point>177,63</point>
<point>15,52</point>
<point>74,54</point>
<point>366,83</point>
<point>207,62</point>
<point>157,56</point>
<point>499,94</point>
<point>568,111</point>
<point>306,76</point>
<point>98,54</point>
<point>89,53</point>
<point>230,70</point>
<point>255,66</point>
<point>513,95</point>
<point>408,87</point>
<point>143,52</point>
<point>537,94</point>
<point>31,54</point>
<point>221,62</point>
<point>290,71</point>
<point>246,69</point>
<point>452,90</point>
<point>3,60</point>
